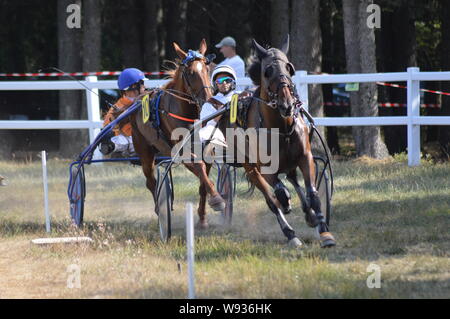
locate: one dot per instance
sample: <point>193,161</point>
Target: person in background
<point>228,48</point>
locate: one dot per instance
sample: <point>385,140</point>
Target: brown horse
<point>180,102</point>
<point>276,106</point>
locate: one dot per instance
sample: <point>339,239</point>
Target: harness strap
<point>169,113</point>
<point>156,108</point>
<point>178,117</point>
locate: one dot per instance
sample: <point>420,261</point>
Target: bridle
<point>190,97</point>
<point>191,57</point>
<point>284,81</point>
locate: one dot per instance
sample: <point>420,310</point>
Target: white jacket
<point>207,110</point>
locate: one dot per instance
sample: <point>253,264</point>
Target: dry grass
<point>384,213</point>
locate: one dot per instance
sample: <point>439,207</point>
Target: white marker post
<point>44,179</point>
<point>190,249</point>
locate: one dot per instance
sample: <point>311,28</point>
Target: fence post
<point>93,110</point>
<point>413,109</point>
<point>302,88</point>
<point>45,183</point>
<point>190,250</point>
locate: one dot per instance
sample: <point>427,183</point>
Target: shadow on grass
<point>434,210</point>
<point>390,229</point>
<point>403,183</point>
<point>354,287</point>
<point>11,228</point>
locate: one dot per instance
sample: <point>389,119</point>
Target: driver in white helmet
<point>223,80</point>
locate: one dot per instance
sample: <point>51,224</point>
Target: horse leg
<point>202,202</point>
<point>258,180</point>
<point>216,202</point>
<point>147,157</point>
<point>310,216</point>
<point>281,192</point>
<point>307,167</point>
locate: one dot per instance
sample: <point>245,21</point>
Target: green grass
<point>384,213</point>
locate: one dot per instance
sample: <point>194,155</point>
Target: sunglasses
<point>226,79</point>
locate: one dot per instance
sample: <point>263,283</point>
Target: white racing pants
<point>124,144</point>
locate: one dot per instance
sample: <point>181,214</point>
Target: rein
<point>169,91</point>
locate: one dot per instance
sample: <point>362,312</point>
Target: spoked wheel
<point>77,195</point>
<point>164,205</point>
<point>226,187</point>
<point>323,185</point>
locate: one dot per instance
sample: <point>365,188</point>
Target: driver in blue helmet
<point>131,86</point>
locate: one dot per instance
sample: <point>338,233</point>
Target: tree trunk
<point>444,131</point>
<point>198,15</point>
<point>151,52</point>
<point>69,60</point>
<point>92,46</point>
<point>399,54</point>
<point>131,34</point>
<point>360,55</point>
<point>92,33</point>
<point>175,22</point>
<point>306,51</point>
<point>327,13</point>
<point>279,21</point>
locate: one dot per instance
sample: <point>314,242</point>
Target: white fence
<point>412,120</point>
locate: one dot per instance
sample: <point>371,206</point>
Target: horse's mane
<point>254,69</point>
<point>172,70</point>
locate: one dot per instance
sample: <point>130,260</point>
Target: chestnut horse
<point>275,105</point>
<point>180,101</point>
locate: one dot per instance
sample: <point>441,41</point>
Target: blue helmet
<point>128,77</point>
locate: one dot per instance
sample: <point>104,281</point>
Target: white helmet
<point>222,69</point>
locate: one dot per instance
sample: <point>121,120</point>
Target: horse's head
<point>195,73</point>
<point>275,77</point>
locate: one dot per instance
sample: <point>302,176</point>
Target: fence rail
<point>413,120</point>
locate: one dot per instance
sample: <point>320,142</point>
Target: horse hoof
<point>217,203</point>
<point>202,225</point>
<point>225,222</point>
<point>311,219</point>
<point>295,243</point>
<point>327,240</point>
<point>3,181</point>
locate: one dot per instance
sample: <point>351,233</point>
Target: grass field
<point>384,213</point>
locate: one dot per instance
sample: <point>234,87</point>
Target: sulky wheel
<point>226,187</point>
<point>77,195</point>
<point>164,205</point>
